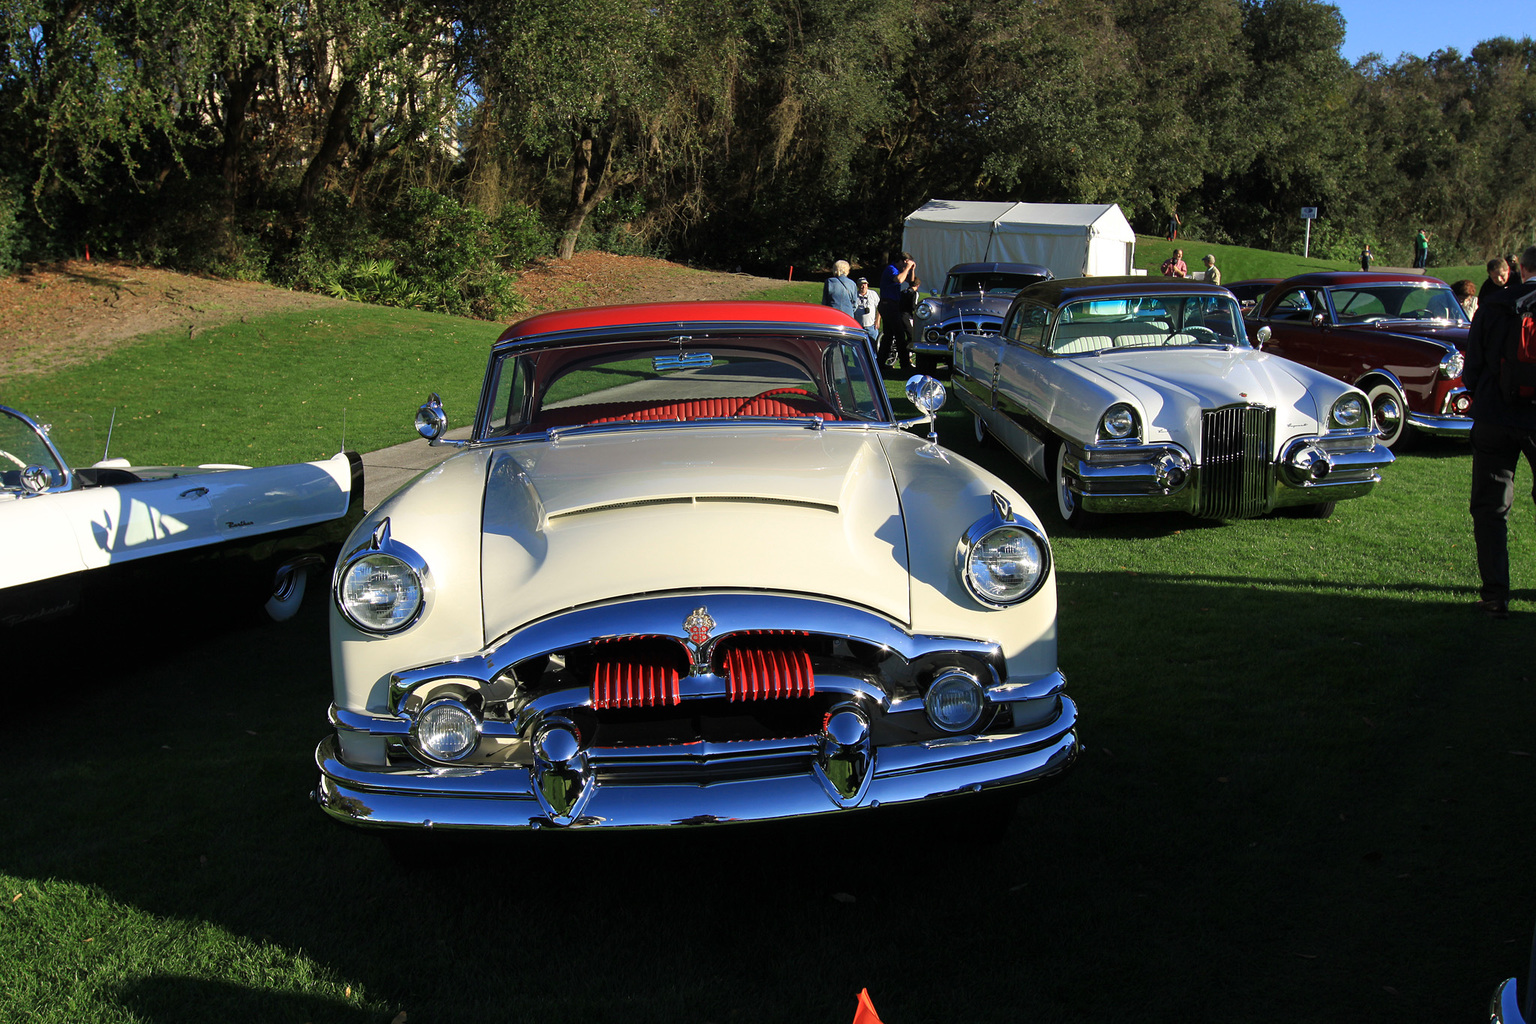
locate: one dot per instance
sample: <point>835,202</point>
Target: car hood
<point>1173,385</point>
<point>606,515</point>
<point>1424,331</point>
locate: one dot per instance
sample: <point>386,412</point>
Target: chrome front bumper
<point>511,797</point>
<point>1136,478</point>
<point>1441,426</point>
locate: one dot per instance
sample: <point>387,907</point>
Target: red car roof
<point>680,315</point>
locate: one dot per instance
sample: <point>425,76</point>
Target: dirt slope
<point>73,312</point>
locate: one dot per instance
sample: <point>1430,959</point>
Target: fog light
<point>446,730</point>
<point>954,702</point>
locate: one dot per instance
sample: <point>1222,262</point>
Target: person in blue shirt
<point>840,292</point>
<point>896,282</point>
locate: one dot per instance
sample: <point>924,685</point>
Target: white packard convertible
<point>689,569</point>
<point>1137,395</point>
<point>76,536</point>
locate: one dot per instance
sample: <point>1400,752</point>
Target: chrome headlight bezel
<point>1452,365</point>
<point>1120,422</point>
<point>984,550</point>
<point>927,310</point>
<point>1348,412</point>
<point>383,556</point>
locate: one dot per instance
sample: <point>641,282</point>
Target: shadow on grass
<point>1289,808</point>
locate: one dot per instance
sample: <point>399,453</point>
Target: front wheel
<point>287,593</point>
<point>1390,413</point>
<point>1068,503</point>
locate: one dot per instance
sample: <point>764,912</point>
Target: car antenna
<point>110,425</point>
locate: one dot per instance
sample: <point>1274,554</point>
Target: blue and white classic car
<point>73,536</point>
<point>689,569</point>
<point>973,300</point>
<point>1135,395</point>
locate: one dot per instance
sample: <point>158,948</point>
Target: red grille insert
<point>634,673</point>
<point>633,684</point>
<point>769,674</point>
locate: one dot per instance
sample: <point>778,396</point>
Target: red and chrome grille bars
<point>636,675</point>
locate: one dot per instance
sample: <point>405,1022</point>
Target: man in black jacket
<point>1501,431</point>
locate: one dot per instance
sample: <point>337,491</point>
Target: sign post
<point>1308,214</point>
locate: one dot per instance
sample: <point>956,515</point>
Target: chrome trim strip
<point>471,797</point>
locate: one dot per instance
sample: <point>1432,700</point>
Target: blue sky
<point>1419,27</point>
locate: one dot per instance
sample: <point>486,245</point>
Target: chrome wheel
<point>1389,412</point>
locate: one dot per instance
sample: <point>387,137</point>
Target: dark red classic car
<point>1397,337</point>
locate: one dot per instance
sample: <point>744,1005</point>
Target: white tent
<point>1074,240</point>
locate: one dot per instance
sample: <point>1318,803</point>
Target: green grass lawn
<point>1306,762</point>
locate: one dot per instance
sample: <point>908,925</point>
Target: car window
<point>607,382</point>
<point>509,397</point>
<point>1028,325</point>
<point>1397,301</point>
<point>1295,304</point>
<point>1147,321</point>
<point>20,447</point>
<point>993,283</point>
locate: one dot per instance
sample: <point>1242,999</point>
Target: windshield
<point>1399,301</point>
<point>22,446</point>
<point>1147,321</point>
<point>993,282</point>
<point>831,379</point>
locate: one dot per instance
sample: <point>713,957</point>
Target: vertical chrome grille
<point>1235,443</point>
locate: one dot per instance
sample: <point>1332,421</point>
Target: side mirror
<point>928,395</point>
<point>1319,319</point>
<point>36,479</point>
<point>1262,338</point>
<point>431,421</point>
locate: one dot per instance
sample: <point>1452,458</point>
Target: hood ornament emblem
<point>699,625</point>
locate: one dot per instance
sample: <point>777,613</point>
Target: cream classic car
<point>689,568</point>
<point>77,536</point>
<point>1136,395</point>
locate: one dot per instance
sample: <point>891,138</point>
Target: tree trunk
<point>591,183</point>
<point>331,145</point>
<point>242,88</point>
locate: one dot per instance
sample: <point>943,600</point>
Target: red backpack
<point>1517,366</point>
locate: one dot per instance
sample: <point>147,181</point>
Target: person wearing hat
<point>866,310</point>
<point>1212,272</point>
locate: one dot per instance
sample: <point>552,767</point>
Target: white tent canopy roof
<point>1074,240</point>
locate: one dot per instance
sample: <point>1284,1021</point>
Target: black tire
<point>979,427</point>
<point>1321,510</point>
<point>926,364</point>
<point>1390,412</point>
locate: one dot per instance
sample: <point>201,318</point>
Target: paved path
<point>385,470</point>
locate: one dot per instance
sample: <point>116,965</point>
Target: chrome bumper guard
<point>785,782</point>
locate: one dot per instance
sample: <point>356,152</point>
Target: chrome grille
<point>1235,443</point>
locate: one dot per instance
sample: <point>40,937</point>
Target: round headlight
<point>446,730</point>
<point>925,310</point>
<point>1119,422</point>
<point>1349,411</point>
<point>1452,365</point>
<point>380,593</point>
<point>954,702</point>
<point>1005,566</point>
